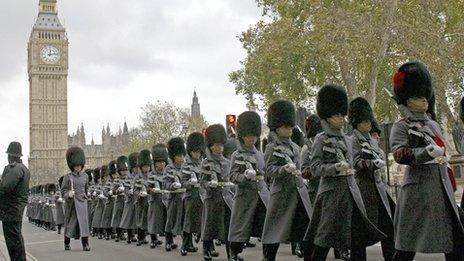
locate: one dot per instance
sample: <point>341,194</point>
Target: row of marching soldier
<point>318,192</point>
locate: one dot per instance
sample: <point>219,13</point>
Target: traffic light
<point>231,124</point>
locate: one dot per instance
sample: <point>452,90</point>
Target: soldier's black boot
<point>140,236</point>
<point>227,244</point>
<point>59,229</point>
<point>298,250</point>
<point>153,240</point>
<point>213,251</point>
<point>118,234</point>
<point>101,231</point>
<point>207,250</point>
<point>270,252</point>
<point>183,248</point>
<point>197,238</point>
<point>109,231</point>
<point>85,244</point>
<point>129,236</point>
<point>67,241</point>
<point>235,249</point>
<point>170,242</point>
<point>190,247</point>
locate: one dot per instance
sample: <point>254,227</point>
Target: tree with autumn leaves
<point>300,45</point>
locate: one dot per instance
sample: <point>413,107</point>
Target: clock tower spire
<point>48,71</point>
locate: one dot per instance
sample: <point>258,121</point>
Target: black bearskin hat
<point>112,168</point>
<point>229,147</point>
<point>331,100</point>
<point>281,113</point>
<point>176,146</point>
<point>412,80</point>
<point>144,158</point>
<point>133,160</point>
<point>298,136</point>
<point>313,125</point>
<point>96,175</point>
<point>249,124</point>
<point>160,153</point>
<point>359,111</point>
<point>74,157</point>
<point>215,134</point>
<point>89,174</point>
<point>375,128</point>
<point>122,163</point>
<point>195,141</point>
<point>60,181</point>
<point>103,171</point>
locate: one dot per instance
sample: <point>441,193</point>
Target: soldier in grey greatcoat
<point>144,161</point>
<point>252,193</point>
<point>339,220</point>
<point>98,214</point>
<point>427,218</point>
<point>74,191</point>
<point>289,207</point>
<point>128,213</point>
<point>369,161</point>
<point>156,207</point>
<point>122,170</point>
<point>109,203</point>
<point>191,200</point>
<point>214,177</point>
<point>59,205</point>
<point>313,127</point>
<point>173,185</point>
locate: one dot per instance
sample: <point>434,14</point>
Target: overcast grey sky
<point>124,54</point>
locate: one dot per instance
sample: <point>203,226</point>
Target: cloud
<point>123,54</point>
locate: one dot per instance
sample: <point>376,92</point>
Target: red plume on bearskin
<point>398,80</point>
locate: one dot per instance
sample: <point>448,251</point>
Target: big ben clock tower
<point>48,115</point>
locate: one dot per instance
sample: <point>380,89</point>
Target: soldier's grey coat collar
<point>362,136</point>
<point>242,148</point>
<point>412,116</point>
<point>329,131</point>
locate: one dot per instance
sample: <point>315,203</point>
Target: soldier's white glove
<point>101,196</point>
<point>250,173</point>
<point>289,167</point>
<point>156,189</point>
<point>121,189</point>
<point>342,166</point>
<point>213,184</point>
<point>94,193</point>
<point>110,193</point>
<point>176,185</point>
<point>60,200</point>
<point>143,194</point>
<point>71,194</point>
<point>379,163</point>
<point>131,191</point>
<point>193,181</point>
<point>47,204</point>
<point>435,151</point>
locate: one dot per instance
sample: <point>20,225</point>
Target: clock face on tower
<point>50,54</point>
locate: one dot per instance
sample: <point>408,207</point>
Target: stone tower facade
<point>195,107</point>
<point>47,54</point>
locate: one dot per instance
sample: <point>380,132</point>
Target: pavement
<point>47,245</point>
